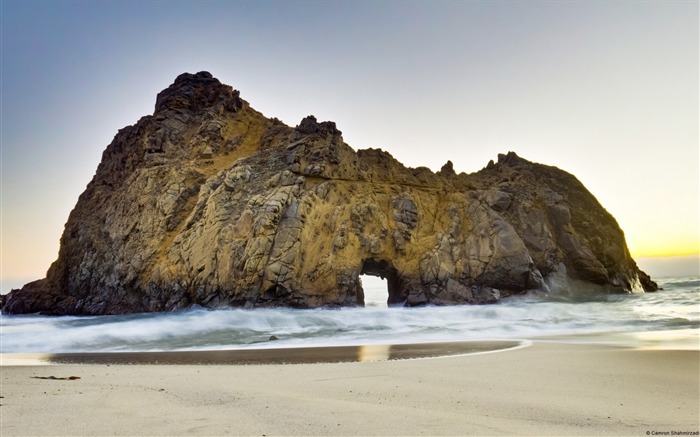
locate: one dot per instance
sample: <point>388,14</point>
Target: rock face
<point>207,202</point>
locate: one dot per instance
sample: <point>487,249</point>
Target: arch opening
<point>384,270</point>
<point>375,291</point>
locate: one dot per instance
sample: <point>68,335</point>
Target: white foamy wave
<point>553,313</point>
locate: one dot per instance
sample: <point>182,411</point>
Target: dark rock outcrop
<point>208,202</point>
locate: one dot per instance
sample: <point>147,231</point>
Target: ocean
<point>665,319</point>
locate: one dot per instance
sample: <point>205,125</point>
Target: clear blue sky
<point>605,90</point>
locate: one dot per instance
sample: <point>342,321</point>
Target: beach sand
<point>548,388</point>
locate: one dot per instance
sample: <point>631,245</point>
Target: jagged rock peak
<point>198,92</point>
<point>447,169</point>
<point>309,125</point>
<point>510,158</point>
<point>210,203</point>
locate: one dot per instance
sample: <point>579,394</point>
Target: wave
<point>529,316</point>
<point>680,283</point>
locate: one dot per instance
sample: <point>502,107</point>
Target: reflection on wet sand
<point>330,354</point>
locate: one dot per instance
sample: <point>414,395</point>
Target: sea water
<point>667,317</point>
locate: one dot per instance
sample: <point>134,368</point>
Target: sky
<point>607,91</point>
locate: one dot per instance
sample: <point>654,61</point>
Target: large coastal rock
<point>207,202</point>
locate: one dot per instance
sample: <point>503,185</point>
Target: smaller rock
<point>309,125</point>
<point>447,170</point>
<point>498,200</point>
<point>486,294</point>
<point>416,299</point>
<point>206,153</point>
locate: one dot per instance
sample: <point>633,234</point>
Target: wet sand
<point>300,355</point>
<point>545,389</point>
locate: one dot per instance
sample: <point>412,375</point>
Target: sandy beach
<point>544,389</point>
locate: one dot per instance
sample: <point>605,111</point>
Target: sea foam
<point>677,308</point>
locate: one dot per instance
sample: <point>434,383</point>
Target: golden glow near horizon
<point>663,253</point>
<point>663,244</point>
<point>654,249</point>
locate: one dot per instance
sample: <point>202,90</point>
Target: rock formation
<point>207,202</point>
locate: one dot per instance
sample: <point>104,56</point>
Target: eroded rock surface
<point>208,202</point>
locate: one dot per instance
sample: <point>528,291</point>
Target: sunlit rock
<point>207,202</point>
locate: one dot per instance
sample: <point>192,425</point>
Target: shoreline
<point>549,388</point>
<point>269,356</point>
<point>679,339</point>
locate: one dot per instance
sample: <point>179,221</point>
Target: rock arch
<point>237,209</point>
